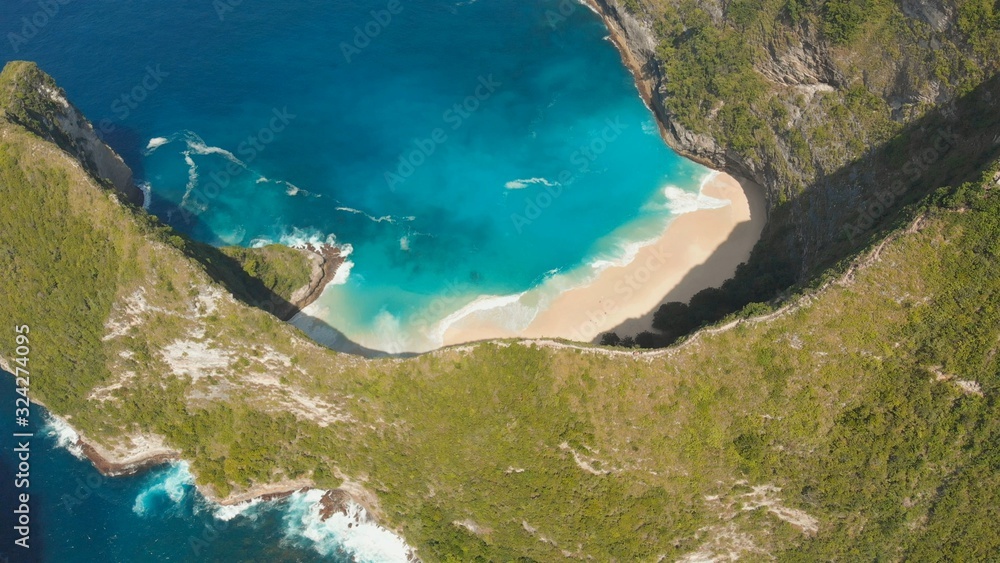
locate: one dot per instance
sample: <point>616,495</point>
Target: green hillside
<point>857,422</point>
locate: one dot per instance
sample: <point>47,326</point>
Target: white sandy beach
<point>698,250</point>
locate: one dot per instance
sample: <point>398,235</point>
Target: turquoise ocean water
<point>461,149</point>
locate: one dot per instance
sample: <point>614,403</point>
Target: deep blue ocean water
<point>461,148</point>
<point>77,515</point>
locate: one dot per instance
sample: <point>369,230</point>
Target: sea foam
<point>228,512</point>
<point>298,238</point>
<point>192,182</point>
<point>147,193</point>
<point>352,533</point>
<point>520,184</point>
<point>374,219</point>
<point>302,238</point>
<point>197,145</point>
<point>155,143</point>
<point>680,202</point>
<point>171,485</point>
<point>64,435</point>
<point>649,127</point>
<point>625,255</point>
<point>507,310</point>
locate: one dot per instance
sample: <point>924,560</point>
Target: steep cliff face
<point>638,43</point>
<point>30,98</point>
<point>805,96</point>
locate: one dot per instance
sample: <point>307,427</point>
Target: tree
<point>610,339</point>
<point>647,339</point>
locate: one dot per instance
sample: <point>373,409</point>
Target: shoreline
<point>110,464</point>
<point>695,251</point>
<point>138,459</point>
<point>327,259</point>
<point>149,454</point>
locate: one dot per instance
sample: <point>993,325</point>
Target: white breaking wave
<point>228,512</point>
<point>343,273</point>
<point>192,183</point>
<point>505,309</point>
<point>589,7</point>
<point>649,127</point>
<point>426,330</point>
<point>298,238</point>
<point>680,201</point>
<point>172,484</point>
<point>384,218</point>
<point>155,143</point>
<point>301,238</point>
<point>522,183</point>
<point>197,145</point>
<point>65,436</point>
<point>625,255</point>
<point>367,542</point>
<point>291,189</point>
<point>708,178</point>
<point>147,192</point>
<point>404,243</point>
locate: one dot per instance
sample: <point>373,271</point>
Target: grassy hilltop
<point>859,422</point>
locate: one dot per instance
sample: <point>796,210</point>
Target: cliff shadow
<point>695,281</point>
<point>221,267</point>
<point>218,265</point>
<point>128,144</point>
<point>322,333</point>
<point>847,210</point>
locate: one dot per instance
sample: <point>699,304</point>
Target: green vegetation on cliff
<point>71,248</point>
<point>858,422</point>
<point>846,111</point>
<point>19,96</point>
<point>800,88</point>
<point>281,269</point>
